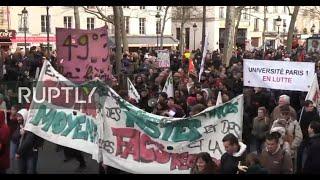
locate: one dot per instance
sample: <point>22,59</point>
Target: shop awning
<point>148,41</point>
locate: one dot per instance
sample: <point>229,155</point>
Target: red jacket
<point>5,143</point>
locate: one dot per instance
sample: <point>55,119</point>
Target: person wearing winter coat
<point>261,125</point>
<point>274,158</point>
<point>293,130</point>
<point>235,153</point>
<point>254,165</point>
<point>312,162</point>
<point>276,113</point>
<point>4,144</point>
<point>27,151</point>
<point>309,114</point>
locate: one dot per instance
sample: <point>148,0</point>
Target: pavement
<point>51,162</point>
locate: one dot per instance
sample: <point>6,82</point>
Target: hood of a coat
<point>243,148</point>
<point>24,113</point>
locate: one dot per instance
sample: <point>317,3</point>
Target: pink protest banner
<point>84,53</point>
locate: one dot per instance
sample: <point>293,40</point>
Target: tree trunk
<point>264,28</point>
<point>182,30</point>
<point>291,27</point>
<point>163,25</point>
<point>117,37</point>
<point>123,30</point>
<point>76,17</point>
<point>229,35</point>
<point>237,26</point>
<point>204,11</point>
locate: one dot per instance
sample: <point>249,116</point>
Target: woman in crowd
<point>204,165</point>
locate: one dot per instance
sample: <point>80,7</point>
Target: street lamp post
<point>25,17</point>
<point>158,21</point>
<point>278,24</point>
<point>194,35</point>
<point>284,30</point>
<point>48,31</point>
<point>312,29</point>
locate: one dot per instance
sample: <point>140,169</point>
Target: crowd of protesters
<point>280,130</point>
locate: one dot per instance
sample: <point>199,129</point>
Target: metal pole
<point>48,26</point>
<point>157,42</point>
<point>25,33</point>
<point>278,37</point>
<point>194,39</point>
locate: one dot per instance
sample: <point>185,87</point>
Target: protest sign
<point>163,58</point>
<point>66,124</point>
<point>295,76</point>
<point>84,53</point>
<point>139,142</point>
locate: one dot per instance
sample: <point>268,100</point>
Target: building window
<point>274,25</point>
<point>256,8</point>
<point>178,33</point>
<point>246,15</point>
<point>67,21</point>
<point>256,24</point>
<point>90,23</point>
<point>142,27</point>
<point>221,13</point>
<point>125,7</point>
<point>142,7</point>
<point>158,27</point>
<point>275,9</point>
<point>159,8</point>
<point>126,22</point>
<point>267,21</point>
<point>44,23</point>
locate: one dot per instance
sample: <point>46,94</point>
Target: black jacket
<point>306,118</point>
<point>312,164</point>
<point>29,143</point>
<point>229,163</point>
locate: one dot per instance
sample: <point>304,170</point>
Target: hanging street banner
<point>139,142</point>
<point>83,53</point>
<point>295,76</point>
<point>59,112</point>
<point>163,58</point>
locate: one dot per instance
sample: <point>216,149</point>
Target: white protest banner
<point>295,76</point>
<point>163,58</point>
<point>57,115</point>
<point>168,87</point>
<point>314,92</point>
<point>204,54</point>
<point>139,142</point>
<point>219,99</point>
<point>132,92</point>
